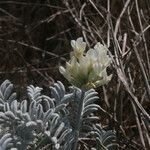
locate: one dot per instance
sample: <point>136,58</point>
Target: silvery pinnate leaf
<point>23,106</point>
<point>58,92</point>
<point>6,92</point>
<point>6,142</point>
<point>34,93</point>
<point>105,140</point>
<point>48,102</point>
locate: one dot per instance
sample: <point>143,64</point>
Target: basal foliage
<point>50,119</point>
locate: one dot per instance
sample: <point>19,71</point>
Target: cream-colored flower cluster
<point>87,70</point>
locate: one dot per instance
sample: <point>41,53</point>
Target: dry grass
<point>35,38</point>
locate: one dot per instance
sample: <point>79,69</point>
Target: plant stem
<point>78,121</point>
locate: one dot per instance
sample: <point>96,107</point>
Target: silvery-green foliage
<point>6,93</point>
<point>104,139</point>
<point>82,113</point>
<point>24,122</point>
<point>58,92</point>
<point>5,141</point>
<point>85,101</point>
<point>59,120</point>
<point>57,133</point>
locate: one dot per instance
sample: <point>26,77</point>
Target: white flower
<point>101,51</point>
<point>76,71</point>
<point>78,47</point>
<point>88,70</point>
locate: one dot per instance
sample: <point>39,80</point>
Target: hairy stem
<point>78,121</point>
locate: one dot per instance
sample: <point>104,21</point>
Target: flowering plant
<point>63,118</point>
<point>87,70</point>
